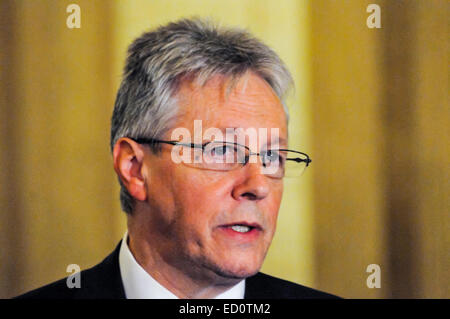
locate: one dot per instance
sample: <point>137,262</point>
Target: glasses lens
<point>273,163</point>
<point>295,164</point>
<point>220,156</point>
<point>223,156</point>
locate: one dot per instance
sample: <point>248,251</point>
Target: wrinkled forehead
<point>244,105</point>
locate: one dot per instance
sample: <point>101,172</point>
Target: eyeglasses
<point>227,156</point>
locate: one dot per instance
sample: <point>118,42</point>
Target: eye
<point>220,151</point>
<point>271,156</point>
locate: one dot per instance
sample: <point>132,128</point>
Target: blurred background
<point>370,107</point>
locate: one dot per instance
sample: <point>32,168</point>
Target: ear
<point>128,163</point>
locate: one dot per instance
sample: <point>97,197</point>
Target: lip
<point>243,223</point>
<point>252,235</point>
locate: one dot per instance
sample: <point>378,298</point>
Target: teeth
<point>240,228</point>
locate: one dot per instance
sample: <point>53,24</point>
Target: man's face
<point>191,210</point>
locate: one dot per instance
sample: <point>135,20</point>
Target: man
<point>201,213</point>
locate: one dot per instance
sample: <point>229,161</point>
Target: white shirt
<point>138,284</point>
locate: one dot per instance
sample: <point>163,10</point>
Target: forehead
<point>249,103</point>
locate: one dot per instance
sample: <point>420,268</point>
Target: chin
<point>238,269</point>
<point>235,274</point>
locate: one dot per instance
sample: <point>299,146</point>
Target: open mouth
<point>242,228</point>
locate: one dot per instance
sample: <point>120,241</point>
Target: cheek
<point>159,189</point>
<point>200,197</point>
<point>273,203</point>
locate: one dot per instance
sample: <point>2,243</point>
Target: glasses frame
<point>150,141</point>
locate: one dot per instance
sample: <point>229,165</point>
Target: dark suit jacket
<point>103,281</point>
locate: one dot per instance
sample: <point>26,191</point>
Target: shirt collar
<point>138,284</point>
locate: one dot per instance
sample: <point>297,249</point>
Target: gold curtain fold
<point>380,137</point>
<point>58,198</point>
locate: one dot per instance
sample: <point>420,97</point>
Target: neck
<point>197,284</point>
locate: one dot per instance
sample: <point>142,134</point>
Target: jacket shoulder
<point>263,286</point>
<point>55,290</point>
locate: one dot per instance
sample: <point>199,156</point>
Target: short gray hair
<point>159,60</point>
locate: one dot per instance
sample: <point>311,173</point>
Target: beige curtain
<point>370,106</point>
<point>380,131</point>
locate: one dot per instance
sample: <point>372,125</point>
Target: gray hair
<point>190,48</point>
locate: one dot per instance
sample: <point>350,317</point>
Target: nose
<point>254,186</point>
